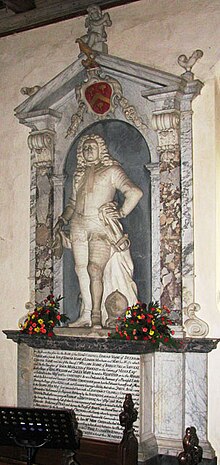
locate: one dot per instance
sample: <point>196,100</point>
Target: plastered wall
<point>152,32</point>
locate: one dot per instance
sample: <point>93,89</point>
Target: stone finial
<point>96,23</point>
<point>188,63</point>
<point>29,91</point>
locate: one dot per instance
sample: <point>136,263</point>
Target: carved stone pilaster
<point>166,124</point>
<point>41,145</point>
<point>153,169</point>
<point>58,185</point>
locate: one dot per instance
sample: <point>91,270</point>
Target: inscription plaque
<point>93,384</point>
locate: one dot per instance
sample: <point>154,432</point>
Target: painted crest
<point>101,95</point>
<point>98,96</point>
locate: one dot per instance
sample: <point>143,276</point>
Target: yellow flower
<point>159,310</point>
<point>139,317</point>
<point>37,330</point>
<point>151,332</point>
<point>33,317</point>
<point>40,321</point>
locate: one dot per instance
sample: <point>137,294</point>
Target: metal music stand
<point>35,428</point>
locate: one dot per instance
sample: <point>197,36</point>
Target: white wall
<point>152,32</point>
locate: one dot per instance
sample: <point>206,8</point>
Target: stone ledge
<point>92,344</point>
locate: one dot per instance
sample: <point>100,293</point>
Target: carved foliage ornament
<point>101,96</point>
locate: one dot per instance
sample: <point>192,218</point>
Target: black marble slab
<point>92,344</point>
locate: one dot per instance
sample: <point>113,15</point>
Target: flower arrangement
<point>45,317</point>
<point>145,323</point>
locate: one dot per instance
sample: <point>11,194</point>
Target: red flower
<point>166,308</point>
<point>144,330</point>
<point>58,317</point>
<point>166,339</point>
<point>50,333</point>
<point>128,337</point>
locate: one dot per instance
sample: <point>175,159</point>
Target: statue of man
<point>100,248</point>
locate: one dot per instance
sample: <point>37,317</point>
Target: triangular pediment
<point>61,86</point>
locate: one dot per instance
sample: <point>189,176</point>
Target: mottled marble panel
<point>187,203</point>
<point>44,227</point>
<point>196,393</point>
<point>170,230</point>
<point>168,395</point>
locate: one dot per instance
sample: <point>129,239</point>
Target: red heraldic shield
<point>98,95</point>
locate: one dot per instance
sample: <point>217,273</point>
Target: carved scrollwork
<point>195,327</point>
<point>167,126</point>
<point>41,146</point>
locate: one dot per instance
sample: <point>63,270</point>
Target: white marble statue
<point>96,22</point>
<point>100,248</point>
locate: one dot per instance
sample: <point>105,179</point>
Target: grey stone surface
<point>105,344</point>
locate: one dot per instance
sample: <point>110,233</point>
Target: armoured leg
<point>80,253</point>
<point>99,254</point>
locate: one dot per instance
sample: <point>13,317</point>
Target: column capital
<point>166,123</point>
<point>41,145</point>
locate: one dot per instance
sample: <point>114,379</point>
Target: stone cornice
<point>107,345</point>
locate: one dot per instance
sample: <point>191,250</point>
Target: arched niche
<point>128,146</point>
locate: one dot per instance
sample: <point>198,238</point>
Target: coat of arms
<point>101,95</point>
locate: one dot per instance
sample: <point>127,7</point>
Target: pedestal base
<point>92,376</point>
<point>170,460</point>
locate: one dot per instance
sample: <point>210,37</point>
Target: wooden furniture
<point>90,452</point>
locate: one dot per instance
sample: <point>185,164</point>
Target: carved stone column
<point>153,169</point>
<point>58,183</point>
<point>166,123</point>
<point>41,145</point>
